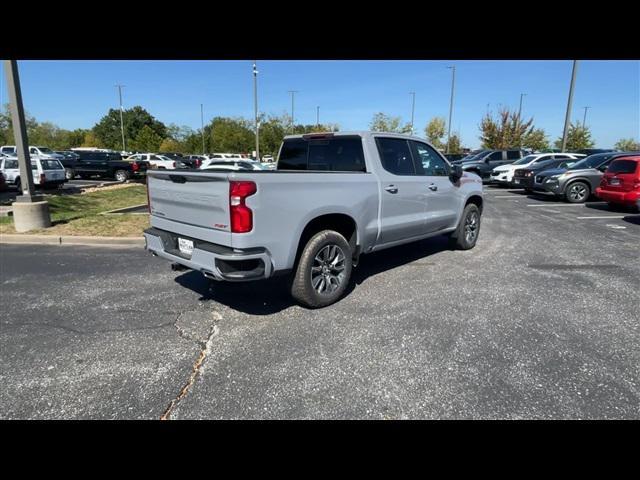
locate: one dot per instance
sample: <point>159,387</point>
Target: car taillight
<point>241,215</point>
<point>135,167</point>
<point>174,164</point>
<point>198,163</point>
<point>636,185</point>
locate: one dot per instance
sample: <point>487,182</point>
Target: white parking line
<point>555,205</point>
<point>604,216</point>
<point>507,196</point>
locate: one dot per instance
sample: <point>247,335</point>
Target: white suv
<point>42,152</point>
<point>47,172</point>
<point>157,161</point>
<point>504,173</point>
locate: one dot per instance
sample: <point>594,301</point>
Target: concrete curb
<point>70,240</point>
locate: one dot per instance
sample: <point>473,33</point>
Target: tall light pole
<point>584,120</point>
<point>317,117</point>
<point>202,125</point>
<point>121,120</point>
<point>453,83</point>
<point>413,108</point>
<point>520,108</point>
<point>292,92</point>
<point>569,102</point>
<point>255,108</point>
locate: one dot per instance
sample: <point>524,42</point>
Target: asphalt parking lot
<point>539,321</point>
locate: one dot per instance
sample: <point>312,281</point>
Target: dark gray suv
<point>576,183</point>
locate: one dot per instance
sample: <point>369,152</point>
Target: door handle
<point>391,189</point>
<point>433,187</point>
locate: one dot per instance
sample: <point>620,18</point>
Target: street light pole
<point>202,126</point>
<point>121,120</point>
<point>584,120</point>
<point>413,108</point>
<point>453,83</point>
<point>569,102</point>
<point>318,118</point>
<point>30,212</point>
<point>292,92</point>
<point>520,108</point>
<point>255,108</point>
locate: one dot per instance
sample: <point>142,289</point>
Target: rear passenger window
<point>623,166</point>
<point>395,156</point>
<point>513,154</point>
<point>495,156</point>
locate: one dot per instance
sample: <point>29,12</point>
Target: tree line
<point>143,132</point>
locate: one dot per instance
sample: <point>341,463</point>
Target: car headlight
<point>555,177</point>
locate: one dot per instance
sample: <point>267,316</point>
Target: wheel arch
<point>340,222</point>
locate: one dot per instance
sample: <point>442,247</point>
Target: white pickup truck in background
<point>333,197</point>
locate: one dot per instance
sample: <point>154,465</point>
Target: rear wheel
<point>577,192</point>
<point>323,271</point>
<point>121,175</point>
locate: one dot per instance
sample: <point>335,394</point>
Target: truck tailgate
<point>194,204</point>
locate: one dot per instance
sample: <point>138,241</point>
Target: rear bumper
<point>624,198</point>
<point>214,261</point>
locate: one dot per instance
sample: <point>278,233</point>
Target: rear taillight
<point>198,163</point>
<point>636,185</point>
<point>135,167</point>
<point>241,215</point>
<point>174,164</point>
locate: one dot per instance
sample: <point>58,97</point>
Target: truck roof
<point>360,133</point>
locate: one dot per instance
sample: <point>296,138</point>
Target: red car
<point>620,184</point>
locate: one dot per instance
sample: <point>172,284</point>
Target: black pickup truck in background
<point>103,164</point>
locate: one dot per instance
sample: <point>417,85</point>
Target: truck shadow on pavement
<point>266,297</point>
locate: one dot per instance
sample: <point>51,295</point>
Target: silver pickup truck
<point>333,197</point>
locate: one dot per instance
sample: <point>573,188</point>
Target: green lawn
<point>79,214</point>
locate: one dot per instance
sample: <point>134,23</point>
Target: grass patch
<point>80,214</point>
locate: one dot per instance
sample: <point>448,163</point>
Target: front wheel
<point>577,192</point>
<point>466,235</point>
<point>324,270</point>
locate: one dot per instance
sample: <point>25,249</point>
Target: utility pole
<point>29,211</point>
<point>317,118</point>
<point>520,108</point>
<point>413,108</point>
<point>569,102</point>
<point>202,125</point>
<point>292,92</point>
<point>584,120</point>
<point>121,120</point>
<point>453,83</point>
<point>255,108</point>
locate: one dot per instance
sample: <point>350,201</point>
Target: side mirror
<point>456,173</point>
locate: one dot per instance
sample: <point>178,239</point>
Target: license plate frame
<point>185,246</point>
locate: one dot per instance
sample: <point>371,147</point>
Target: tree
<point>455,146</point>
<point>147,140</point>
<point>107,130</point>
<point>627,145</point>
<point>578,137</point>
<point>434,131</point>
<point>170,145</point>
<point>90,140</point>
<point>507,130</point>
<point>536,140</point>
<point>230,135</point>
<point>385,123</point>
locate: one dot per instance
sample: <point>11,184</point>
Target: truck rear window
<point>337,154</point>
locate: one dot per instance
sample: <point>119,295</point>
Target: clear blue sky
<point>75,94</point>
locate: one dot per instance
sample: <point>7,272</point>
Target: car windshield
<point>590,162</point>
<point>525,160</point>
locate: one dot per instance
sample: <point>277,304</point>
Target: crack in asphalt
<point>205,349</point>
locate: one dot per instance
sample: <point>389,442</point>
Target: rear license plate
<point>516,180</point>
<point>614,181</point>
<point>185,246</point>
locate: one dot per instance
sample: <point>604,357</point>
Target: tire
<point>320,252</point>
<point>121,175</point>
<point>466,235</point>
<point>18,184</point>
<point>528,190</point>
<point>577,192</point>
<point>69,173</point>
